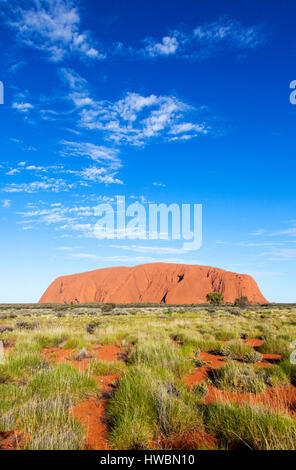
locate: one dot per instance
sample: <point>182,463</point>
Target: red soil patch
<point>189,441</point>
<point>254,342</point>
<point>201,374</point>
<point>282,398</point>
<point>272,357</point>
<point>92,414</point>
<point>11,440</point>
<point>105,353</point>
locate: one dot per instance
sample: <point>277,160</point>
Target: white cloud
<point>127,259</point>
<point>6,203</point>
<point>150,249</point>
<point>135,119</point>
<point>12,172</point>
<point>50,184</point>
<point>53,26</point>
<point>22,107</point>
<point>99,174</point>
<point>258,232</point>
<point>68,248</point>
<point>230,31</point>
<point>204,40</point>
<point>289,231</point>
<point>161,185</point>
<point>99,153</point>
<point>167,46</point>
<point>284,254</point>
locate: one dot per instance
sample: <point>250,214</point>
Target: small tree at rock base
<point>241,301</point>
<point>215,298</point>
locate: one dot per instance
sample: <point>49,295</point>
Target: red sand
<point>155,282</point>
<point>282,398</point>
<point>92,414</point>
<point>105,353</point>
<point>201,374</point>
<point>254,342</point>
<point>11,440</point>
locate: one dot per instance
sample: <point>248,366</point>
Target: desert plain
<point>147,376</point>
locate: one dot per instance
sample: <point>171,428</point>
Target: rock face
<point>156,282</point>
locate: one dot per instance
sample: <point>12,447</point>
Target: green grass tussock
<point>249,427</point>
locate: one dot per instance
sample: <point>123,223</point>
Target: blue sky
<point>165,102</point>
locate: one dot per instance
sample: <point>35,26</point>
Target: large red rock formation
<point>156,282</point>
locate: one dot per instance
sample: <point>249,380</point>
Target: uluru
<point>155,282</point>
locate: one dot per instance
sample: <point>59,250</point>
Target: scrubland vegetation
<point>191,377</point>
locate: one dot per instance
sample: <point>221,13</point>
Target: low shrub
<point>102,368</point>
<point>5,328</point>
<point>250,428</point>
<point>274,346</point>
<point>164,355</point>
<point>288,368</point>
<point>215,298</point>
<point>239,378</point>
<point>252,357</point>
<point>108,307</point>
<point>242,301</point>
<point>148,404</point>
<point>201,390</point>
<point>226,335</point>
<point>236,349</point>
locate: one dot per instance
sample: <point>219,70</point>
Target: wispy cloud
<point>288,231</point>
<point>107,157</point>
<point>126,259</point>
<point>22,107</point>
<point>204,41</point>
<point>150,249</point>
<point>258,232</point>
<point>98,153</point>
<point>136,119</point>
<point>284,254</point>
<point>52,26</point>
<point>48,184</point>
<point>6,203</point>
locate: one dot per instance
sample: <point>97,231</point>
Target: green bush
<point>242,301</point>
<point>201,390</point>
<point>252,357</point>
<point>275,376</point>
<point>108,307</point>
<point>236,349</point>
<point>164,355</point>
<point>148,404</point>
<point>215,298</point>
<point>226,335</point>
<point>274,346</point>
<point>288,368</point>
<point>250,428</point>
<point>239,378</point>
